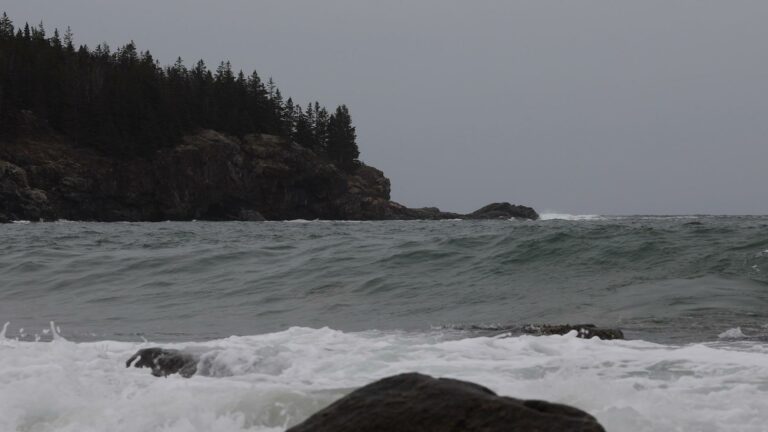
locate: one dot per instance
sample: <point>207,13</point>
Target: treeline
<point>124,103</point>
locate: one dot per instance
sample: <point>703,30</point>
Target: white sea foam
<point>734,333</point>
<point>568,217</point>
<point>269,382</point>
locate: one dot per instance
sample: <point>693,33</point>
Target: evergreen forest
<point>125,104</point>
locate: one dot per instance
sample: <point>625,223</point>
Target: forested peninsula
<point>103,135</point>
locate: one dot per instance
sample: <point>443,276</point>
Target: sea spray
<point>277,379</point>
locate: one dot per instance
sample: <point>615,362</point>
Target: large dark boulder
<point>419,403</point>
<point>164,362</point>
<point>504,210</point>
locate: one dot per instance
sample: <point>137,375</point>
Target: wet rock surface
<point>584,331</point>
<point>164,362</point>
<point>414,402</point>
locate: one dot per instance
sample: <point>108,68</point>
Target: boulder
<point>503,210</point>
<point>413,402</point>
<point>164,362</point>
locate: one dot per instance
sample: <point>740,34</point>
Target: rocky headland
<point>206,176</point>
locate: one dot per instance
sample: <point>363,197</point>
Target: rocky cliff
<point>208,176</point>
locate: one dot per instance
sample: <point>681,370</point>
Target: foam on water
<point>271,381</point>
<point>734,333</point>
<point>568,217</point>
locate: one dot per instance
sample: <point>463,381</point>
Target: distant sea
<point>290,316</point>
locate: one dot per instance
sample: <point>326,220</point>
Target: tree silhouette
<point>124,103</point>
<point>342,146</point>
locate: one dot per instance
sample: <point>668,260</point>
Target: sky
<point>578,106</point>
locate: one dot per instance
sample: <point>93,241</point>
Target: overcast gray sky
<point>578,106</point>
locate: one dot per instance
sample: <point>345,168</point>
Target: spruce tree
<point>68,40</point>
<point>56,40</point>
<point>342,148</point>
<point>126,104</point>
<point>321,128</point>
<point>6,27</point>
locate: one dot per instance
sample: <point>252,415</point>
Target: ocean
<point>290,316</point>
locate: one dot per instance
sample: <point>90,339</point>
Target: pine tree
<point>6,27</point>
<point>39,33</point>
<point>342,148</point>
<point>289,118</point>
<point>68,40</point>
<point>126,104</point>
<point>303,129</point>
<point>321,128</point>
<point>270,88</point>
<point>277,103</point>
<point>56,40</point>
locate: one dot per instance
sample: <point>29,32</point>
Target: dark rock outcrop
<point>419,403</point>
<point>584,331</point>
<point>164,362</point>
<point>17,198</point>
<point>503,211</point>
<point>208,176</point>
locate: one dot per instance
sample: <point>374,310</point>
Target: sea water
<point>288,317</point>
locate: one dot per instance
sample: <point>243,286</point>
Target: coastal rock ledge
<point>419,403</point>
<point>206,176</point>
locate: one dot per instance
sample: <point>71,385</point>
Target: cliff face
<point>208,176</point>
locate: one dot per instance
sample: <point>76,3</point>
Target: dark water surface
<point>668,279</point>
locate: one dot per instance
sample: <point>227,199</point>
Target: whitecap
<point>265,383</point>
<point>569,217</point>
<point>734,333</point>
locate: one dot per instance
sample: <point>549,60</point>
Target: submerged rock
<point>414,402</point>
<point>164,362</point>
<point>585,331</point>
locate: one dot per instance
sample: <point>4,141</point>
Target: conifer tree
<point>6,27</point>
<point>125,103</point>
<point>56,40</point>
<point>303,129</point>
<point>321,128</point>
<point>342,148</point>
<point>39,33</point>
<point>289,118</point>
<point>68,40</point>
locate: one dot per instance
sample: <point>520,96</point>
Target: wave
<point>662,279</point>
<point>268,382</point>
<point>569,217</point>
